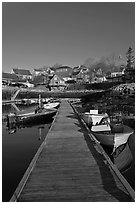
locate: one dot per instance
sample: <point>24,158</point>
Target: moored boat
<point>51,105</point>
<point>122,157</point>
<point>107,133</point>
<point>25,117</point>
<point>33,115</point>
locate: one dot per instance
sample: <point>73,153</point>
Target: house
<point>42,71</point>
<point>63,71</point>
<point>56,81</point>
<point>8,78</point>
<point>62,75</point>
<point>22,73</point>
<point>81,74</point>
<point>97,79</point>
<point>115,74</point>
<point>43,74</point>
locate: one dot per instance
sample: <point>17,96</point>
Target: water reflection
<point>39,124</point>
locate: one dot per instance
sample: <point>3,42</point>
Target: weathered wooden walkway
<point>70,168</point>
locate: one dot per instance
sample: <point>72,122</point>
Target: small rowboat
<point>106,133</point>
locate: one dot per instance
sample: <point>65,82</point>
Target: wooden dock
<point>69,167</point>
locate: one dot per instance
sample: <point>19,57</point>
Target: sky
<point>36,34</point>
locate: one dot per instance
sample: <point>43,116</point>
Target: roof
<point>22,72</point>
<point>58,77</point>
<point>9,76</point>
<point>63,71</point>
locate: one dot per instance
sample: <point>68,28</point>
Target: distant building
<point>81,74</point>
<point>43,71</point>
<point>8,77</point>
<point>57,81</point>
<point>115,78</point>
<point>63,71</point>
<point>22,73</point>
<point>97,79</point>
<point>42,75</point>
<point>115,74</point>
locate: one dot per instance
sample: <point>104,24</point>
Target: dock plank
<point>70,169</point>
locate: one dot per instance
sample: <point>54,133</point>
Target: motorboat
<point>105,131</point>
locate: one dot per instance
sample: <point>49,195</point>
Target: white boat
<point>106,132</point>
<point>51,105</point>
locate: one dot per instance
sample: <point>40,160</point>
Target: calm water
<point>18,149</point>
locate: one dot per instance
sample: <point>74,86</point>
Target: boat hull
<point>29,117</point>
<point>36,117</point>
<point>105,138</point>
<point>122,159</point>
<point>114,139</point>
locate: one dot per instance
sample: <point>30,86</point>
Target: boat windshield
<point>105,120</point>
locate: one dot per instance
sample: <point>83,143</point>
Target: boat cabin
<point>100,122</point>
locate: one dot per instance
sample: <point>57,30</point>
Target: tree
<point>130,58</point>
<point>130,67</point>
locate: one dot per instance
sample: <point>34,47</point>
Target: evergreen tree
<point>130,59</point>
<point>130,67</point>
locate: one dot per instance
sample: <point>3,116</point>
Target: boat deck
<point>69,167</point>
